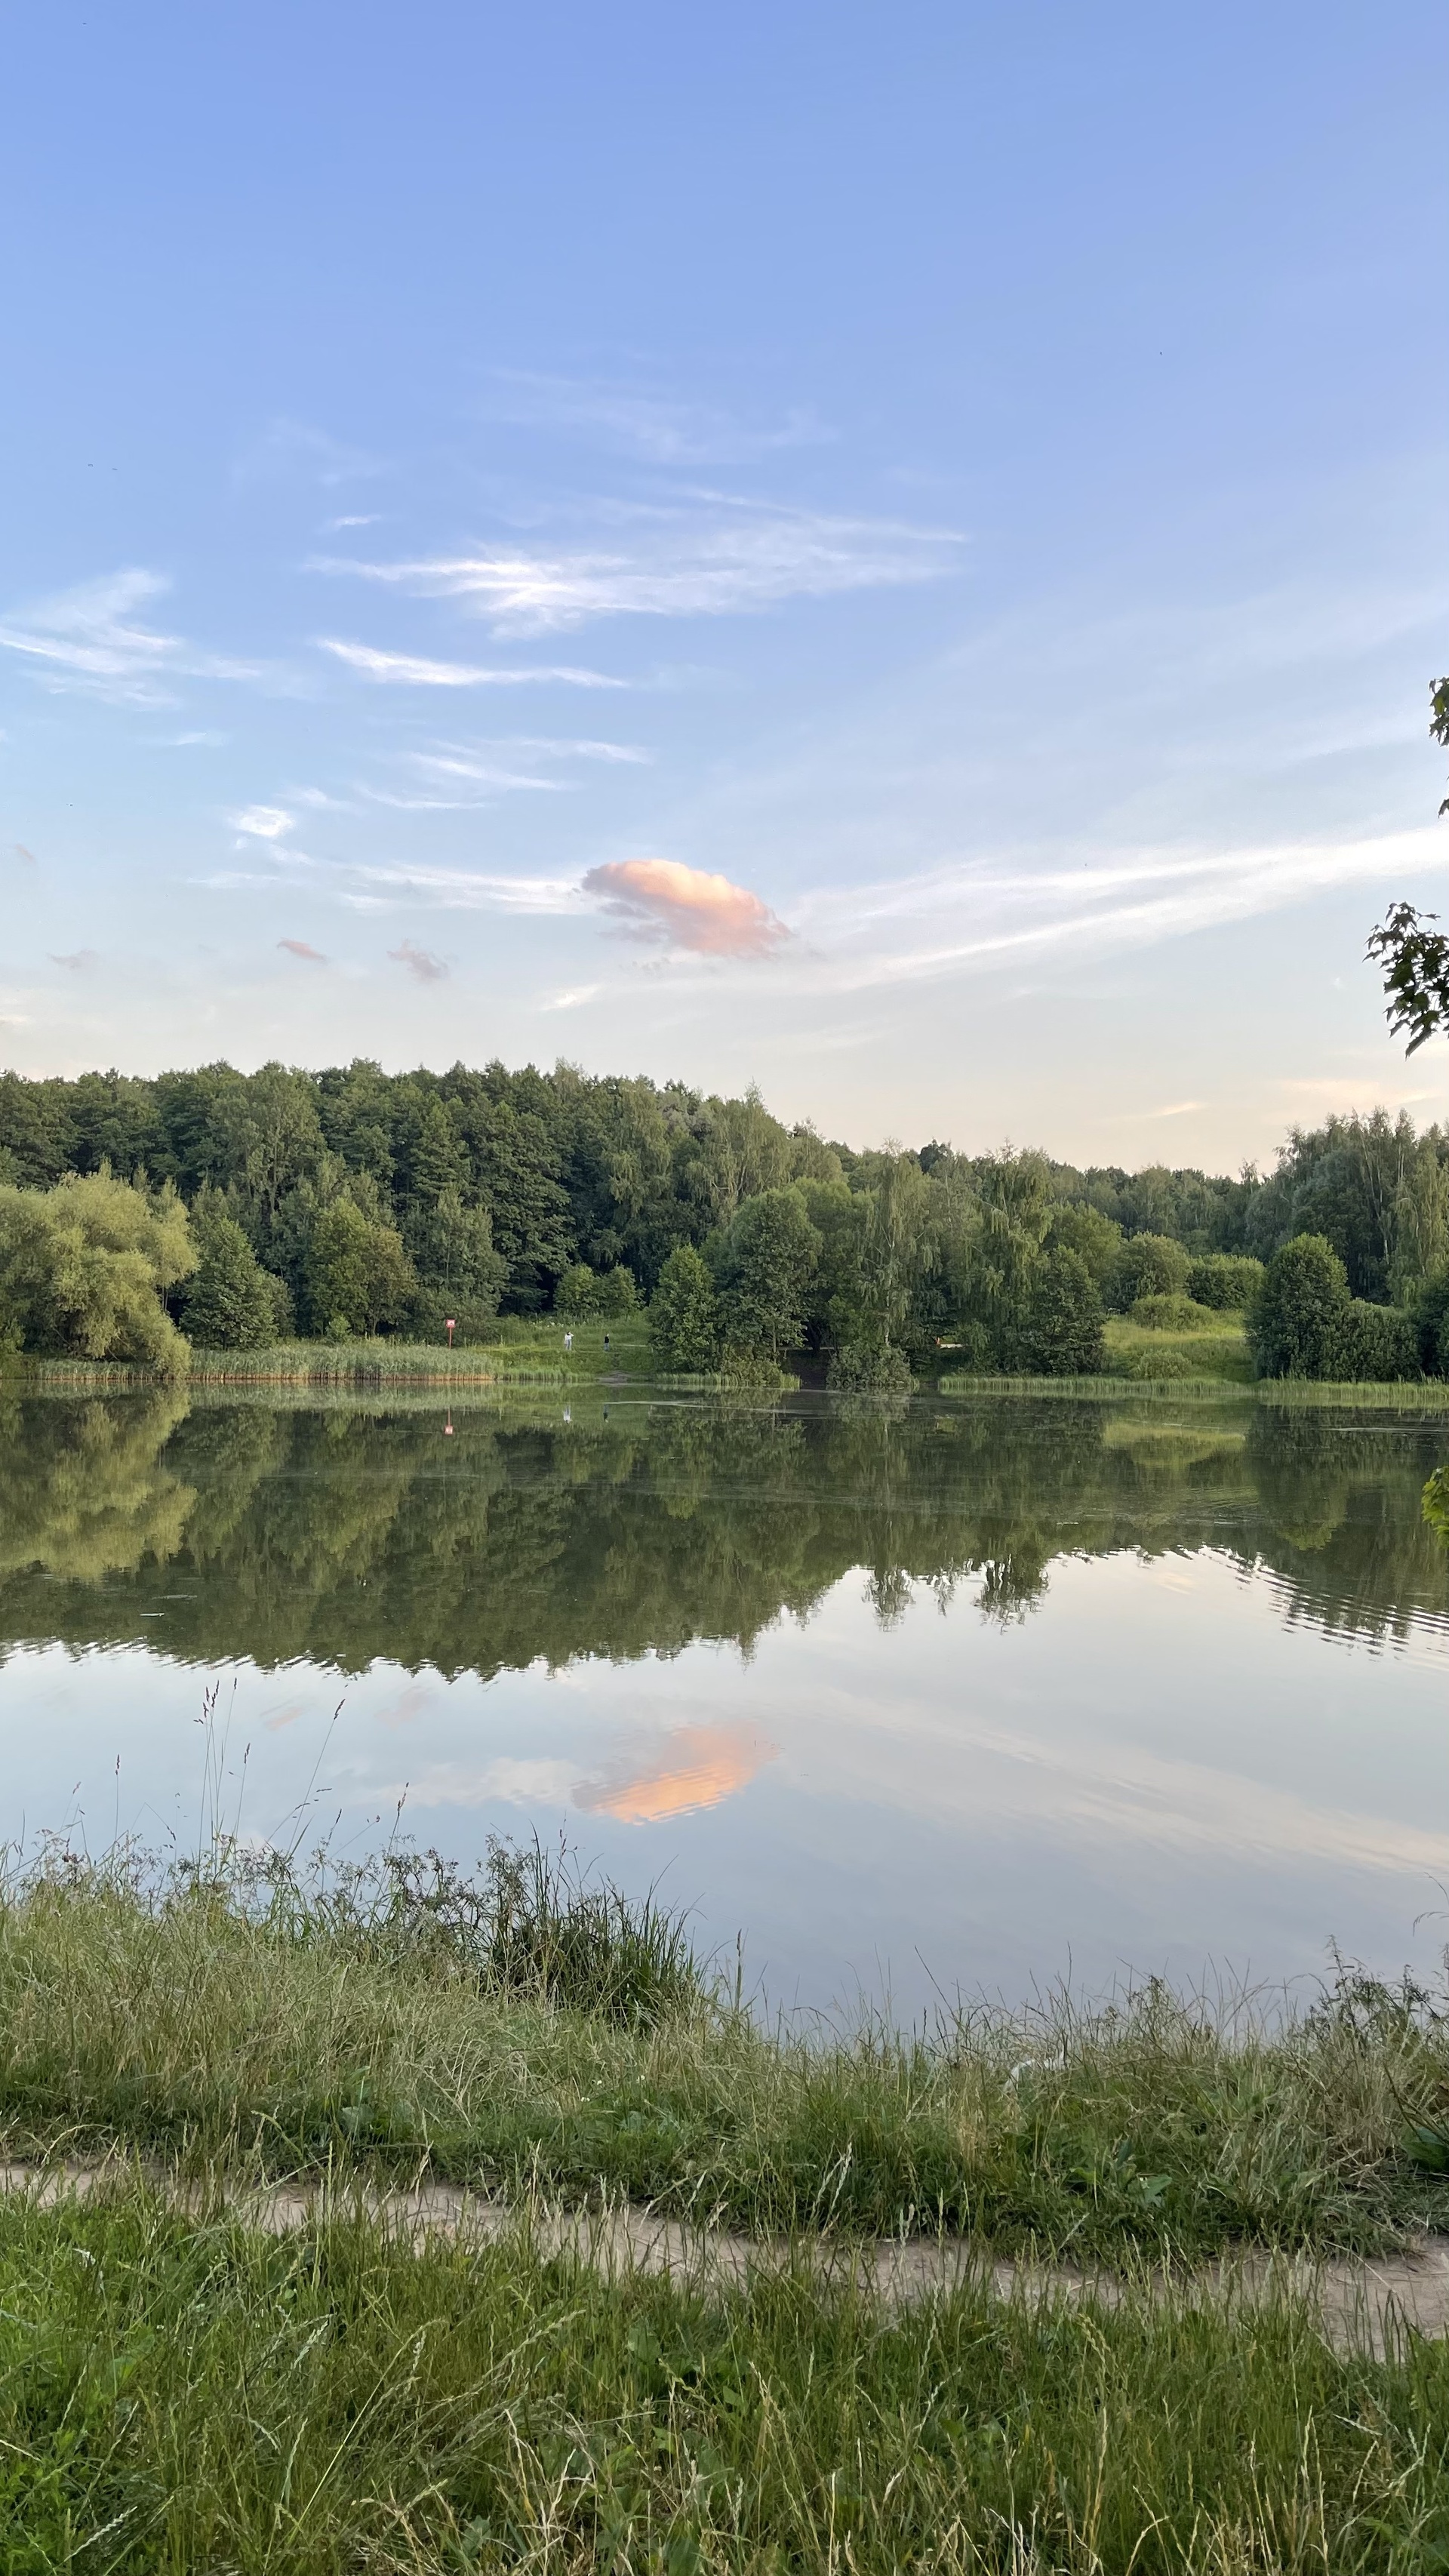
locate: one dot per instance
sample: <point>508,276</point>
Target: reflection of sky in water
<point>1155,1768</point>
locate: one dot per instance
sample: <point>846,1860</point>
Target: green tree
<point>459,1272</point>
<point>583,1294</point>
<point>684,1316</point>
<point>230,1302</point>
<point>359,1278</point>
<point>766,1263</point>
<point>1063,1330</point>
<point>1079,1227</point>
<point>1147,1265</point>
<point>84,1268</point>
<point>1295,1321</point>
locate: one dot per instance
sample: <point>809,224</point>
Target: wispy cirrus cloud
<point>682,907</point>
<point>656,426</point>
<point>302,948</point>
<point>415,671</point>
<point>983,913</point>
<point>377,886</point>
<point>90,638</point>
<point>715,557</point>
<point>421,963</point>
<point>79,960</point>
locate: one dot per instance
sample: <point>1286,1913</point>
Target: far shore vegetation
<point>306,1227</point>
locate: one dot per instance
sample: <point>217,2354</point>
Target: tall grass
<point>524,2027</point>
<point>182,2395</point>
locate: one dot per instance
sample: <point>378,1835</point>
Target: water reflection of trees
<point>342,1534</point>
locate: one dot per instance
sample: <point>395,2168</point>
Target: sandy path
<point>1364,2301</point>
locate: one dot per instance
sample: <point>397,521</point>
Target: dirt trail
<point>1364,2301</point>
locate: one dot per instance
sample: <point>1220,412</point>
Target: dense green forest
<point>236,1209</point>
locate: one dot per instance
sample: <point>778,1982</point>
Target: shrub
<point>684,1327</point>
<point>1147,1265</point>
<point>1063,1335</point>
<point>861,1368</point>
<point>1173,1315</point>
<point>1163,1363</point>
<point>1375,1344</point>
<point>1227,1281</point>
<point>1295,1319</point>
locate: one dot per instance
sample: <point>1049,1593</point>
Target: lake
<point>945,1693</point>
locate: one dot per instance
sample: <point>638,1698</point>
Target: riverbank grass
<point>518,1350</point>
<point>181,2393</point>
<point>526,2029</point>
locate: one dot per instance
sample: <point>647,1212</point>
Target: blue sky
<point>896,553</point>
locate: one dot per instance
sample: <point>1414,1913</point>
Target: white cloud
<point>263,822</point>
<point>982,913</point>
<point>410,670</point>
<point>717,557</point>
<point>572,1000</point>
<point>88,638</point>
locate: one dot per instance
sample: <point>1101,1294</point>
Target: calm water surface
<point>919,1696</point>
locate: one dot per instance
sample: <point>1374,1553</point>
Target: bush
<point>1376,1344</point>
<point>1163,1363</point>
<point>584,1296</point>
<point>1295,1320</point>
<point>1147,1265</point>
<point>1063,1335</point>
<point>1173,1315</point>
<point>861,1368</point>
<point>1227,1281</point>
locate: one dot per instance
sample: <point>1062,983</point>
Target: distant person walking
<point>568,1341</point>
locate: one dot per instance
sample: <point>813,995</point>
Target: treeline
<point>237,1209</point>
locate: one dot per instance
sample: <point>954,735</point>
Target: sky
<point>897,554</point>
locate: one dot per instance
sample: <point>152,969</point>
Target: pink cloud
<point>299,948</point>
<point>419,962</point>
<point>663,899</point>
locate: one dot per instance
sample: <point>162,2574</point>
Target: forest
<point>139,1217</point>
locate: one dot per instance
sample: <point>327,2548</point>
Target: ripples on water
<point>920,1694</point>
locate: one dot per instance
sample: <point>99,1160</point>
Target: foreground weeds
<point>184,2395</point>
<point>527,2027</point>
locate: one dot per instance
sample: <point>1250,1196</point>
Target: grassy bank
<point>523,2029</point>
<point>1218,1351</point>
<point>521,1350</point>
<point>180,2394</point>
